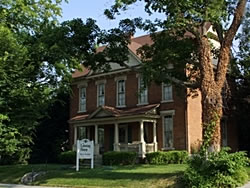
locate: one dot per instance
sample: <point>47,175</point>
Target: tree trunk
<point>211,98</point>
<point>213,82</point>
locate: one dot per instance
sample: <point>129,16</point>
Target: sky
<point>94,9</point>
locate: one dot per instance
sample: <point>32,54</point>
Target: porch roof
<point>108,113</point>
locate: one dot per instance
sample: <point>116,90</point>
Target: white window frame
<point>140,92</point>
<point>97,83</point>
<point>165,114</point>
<point>164,99</point>
<point>118,79</point>
<point>80,99</point>
<point>99,96</point>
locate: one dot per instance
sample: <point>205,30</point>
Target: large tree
<point>37,57</point>
<point>185,43</point>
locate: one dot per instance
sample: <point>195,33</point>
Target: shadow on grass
<point>95,176</point>
<point>104,176</point>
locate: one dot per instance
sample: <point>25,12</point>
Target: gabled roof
<point>108,111</point>
<point>136,43</point>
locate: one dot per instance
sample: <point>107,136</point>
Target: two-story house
<point>118,113</point>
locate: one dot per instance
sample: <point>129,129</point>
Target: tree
<point>37,57</point>
<point>184,42</point>
<point>49,144</point>
<point>28,78</point>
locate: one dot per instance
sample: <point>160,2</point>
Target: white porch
<point>133,129</point>
<point>138,145</point>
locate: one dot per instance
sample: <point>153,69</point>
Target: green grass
<point>126,176</point>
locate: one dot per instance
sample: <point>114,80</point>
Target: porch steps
<point>97,161</point>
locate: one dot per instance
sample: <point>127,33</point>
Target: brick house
<point>115,111</point>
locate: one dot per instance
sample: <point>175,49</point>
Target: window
<point>167,93</point>
<point>125,134</point>
<point>82,101</point>
<point>143,92</point>
<point>168,131</point>
<point>121,93</point>
<point>82,133</point>
<point>100,94</point>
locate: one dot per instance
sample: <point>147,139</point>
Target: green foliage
<point>8,141</point>
<point>219,169</point>
<point>119,158</point>
<point>53,128</point>
<point>169,157</point>
<point>37,57</point>
<point>208,130</point>
<point>67,157</point>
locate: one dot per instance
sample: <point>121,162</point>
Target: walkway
<point>246,185</point>
<point>21,186</point>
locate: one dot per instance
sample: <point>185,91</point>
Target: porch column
<point>143,144</point>
<point>75,138</point>
<point>155,136</point>
<point>96,150</point>
<point>116,144</point>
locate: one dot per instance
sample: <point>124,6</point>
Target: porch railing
<point>135,147</point>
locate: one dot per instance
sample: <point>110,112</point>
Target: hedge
<point>169,157</point>
<point>119,158</point>
<point>67,157</point>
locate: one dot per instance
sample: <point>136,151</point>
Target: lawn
<point>125,176</point>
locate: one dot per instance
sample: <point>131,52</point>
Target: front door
<point>111,138</point>
<point>101,139</point>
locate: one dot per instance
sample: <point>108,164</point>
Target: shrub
<point>119,158</point>
<point>67,157</point>
<point>218,169</point>
<point>169,157</point>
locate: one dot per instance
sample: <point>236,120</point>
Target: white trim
<point>142,104</point>
<point>117,78</point>
<point>104,81</point>
<point>167,112</point>
<point>168,101</point>
<point>82,84</point>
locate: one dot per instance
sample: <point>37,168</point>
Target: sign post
<point>84,150</point>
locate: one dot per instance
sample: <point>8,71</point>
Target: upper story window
<point>82,99</point>
<point>167,92</point>
<point>120,93</point>
<point>143,92</point>
<point>100,94</point>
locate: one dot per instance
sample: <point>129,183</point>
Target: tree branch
<point>224,57</point>
<point>219,31</point>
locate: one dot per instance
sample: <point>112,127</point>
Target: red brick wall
<point>194,121</point>
<point>154,96</point>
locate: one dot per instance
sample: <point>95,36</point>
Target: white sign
<point>85,150</point>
